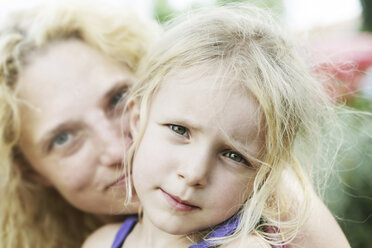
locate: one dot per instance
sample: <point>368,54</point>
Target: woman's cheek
<point>79,170</point>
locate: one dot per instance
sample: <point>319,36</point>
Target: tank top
<point>124,230</point>
<point>224,229</point>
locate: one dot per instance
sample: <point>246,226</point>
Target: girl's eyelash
<point>178,129</point>
<point>236,157</point>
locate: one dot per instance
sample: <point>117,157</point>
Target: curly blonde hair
<point>247,43</point>
<point>32,215</point>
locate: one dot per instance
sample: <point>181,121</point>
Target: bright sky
<point>300,14</point>
<point>304,14</point>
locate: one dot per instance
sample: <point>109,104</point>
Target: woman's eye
<point>60,139</point>
<point>179,130</point>
<point>235,157</point>
<point>116,99</point>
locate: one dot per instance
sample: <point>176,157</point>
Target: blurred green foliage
<point>367,14</point>
<point>163,11</point>
<point>349,195</point>
<point>275,6</point>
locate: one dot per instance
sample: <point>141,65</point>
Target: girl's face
<point>186,171</point>
<point>69,98</point>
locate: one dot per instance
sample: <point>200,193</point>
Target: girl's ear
<point>134,119</point>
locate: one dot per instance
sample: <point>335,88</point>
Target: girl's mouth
<point>177,203</point>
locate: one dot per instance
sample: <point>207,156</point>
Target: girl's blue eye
<point>179,129</point>
<point>235,157</point>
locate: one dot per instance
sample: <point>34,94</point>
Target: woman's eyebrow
<point>122,84</point>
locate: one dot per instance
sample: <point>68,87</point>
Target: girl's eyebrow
<point>187,122</point>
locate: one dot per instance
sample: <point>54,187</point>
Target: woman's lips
<point>120,182</point>
<point>179,204</point>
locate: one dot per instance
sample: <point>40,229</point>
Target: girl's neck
<point>146,235</point>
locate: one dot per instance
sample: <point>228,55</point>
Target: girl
<point>215,118</point>
<point>64,69</point>
<point>59,64</point>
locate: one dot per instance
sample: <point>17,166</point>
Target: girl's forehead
<point>212,79</point>
<point>219,85</point>
<point>215,78</point>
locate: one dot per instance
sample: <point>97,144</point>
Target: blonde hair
<point>247,43</point>
<point>32,215</point>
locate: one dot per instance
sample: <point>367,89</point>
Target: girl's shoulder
<point>250,241</point>
<point>102,237</point>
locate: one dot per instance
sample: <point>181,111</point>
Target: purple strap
<point>222,230</point>
<point>124,230</point>
<point>225,229</point>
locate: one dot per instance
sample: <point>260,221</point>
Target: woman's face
<point>70,99</point>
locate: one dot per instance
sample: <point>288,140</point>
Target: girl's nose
<point>195,170</point>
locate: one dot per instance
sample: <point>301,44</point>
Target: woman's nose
<point>110,144</point>
<point>112,152</point>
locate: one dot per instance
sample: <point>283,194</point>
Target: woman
<point>63,73</point>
